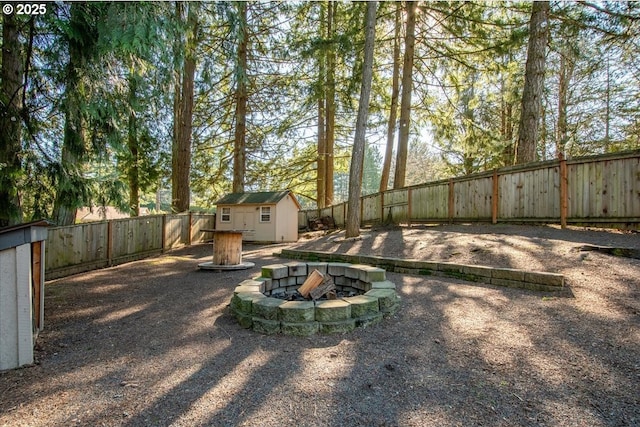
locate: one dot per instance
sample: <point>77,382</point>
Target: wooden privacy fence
<point>83,247</point>
<point>597,190</point>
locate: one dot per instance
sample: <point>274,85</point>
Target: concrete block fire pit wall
<point>256,305</point>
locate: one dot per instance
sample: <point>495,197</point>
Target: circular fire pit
<point>261,304</point>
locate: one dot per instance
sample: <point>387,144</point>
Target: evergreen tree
<point>532,93</point>
<point>393,108</point>
<point>405,103</point>
<point>183,110</point>
<point>11,109</point>
<point>357,158</point>
<point>81,36</point>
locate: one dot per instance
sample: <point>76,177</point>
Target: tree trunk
<point>176,170</point>
<point>506,122</point>
<point>331,105</point>
<point>565,73</point>
<point>533,83</point>
<point>607,111</point>
<point>183,120</point>
<point>158,194</point>
<point>10,123</point>
<point>322,165</point>
<point>240,143</point>
<point>133,172</point>
<point>322,142</point>
<point>357,157</point>
<point>70,194</point>
<point>393,109</point>
<point>405,103</point>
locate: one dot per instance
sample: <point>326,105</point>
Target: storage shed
<point>22,249</point>
<point>270,216</point>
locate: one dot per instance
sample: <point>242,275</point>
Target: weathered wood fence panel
<point>83,247</point>
<point>84,244</point>
<point>176,230</point>
<point>395,206</point>
<point>592,190</point>
<point>371,209</point>
<point>135,236</point>
<point>340,214</point>
<point>472,199</point>
<point>201,222</point>
<point>532,194</point>
<point>328,211</point>
<point>430,202</point>
<point>605,190</point>
<point>305,216</point>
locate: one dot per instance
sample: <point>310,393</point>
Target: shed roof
<point>20,234</point>
<point>258,198</point>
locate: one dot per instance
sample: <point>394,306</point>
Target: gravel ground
<point>152,343</point>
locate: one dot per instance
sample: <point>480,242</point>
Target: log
<point>314,279</point>
<point>325,287</point>
<point>621,252</point>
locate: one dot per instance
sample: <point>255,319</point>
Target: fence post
<point>382,207</point>
<point>344,214</point>
<point>164,231</point>
<point>409,206</point>
<point>189,229</point>
<point>494,199</point>
<point>361,211</point>
<point>110,242</point>
<point>563,191</point>
<point>451,201</point>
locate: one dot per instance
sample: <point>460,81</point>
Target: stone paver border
<point>255,307</point>
<point>509,277</point>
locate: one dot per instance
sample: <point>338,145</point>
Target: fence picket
<point>589,190</point>
<point>83,247</point>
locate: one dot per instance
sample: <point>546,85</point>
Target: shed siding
<point>283,226</point>
<point>247,219</point>
<point>286,218</point>
<point>16,335</point>
<point>246,215</point>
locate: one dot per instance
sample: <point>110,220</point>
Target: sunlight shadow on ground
<point>125,346</point>
<point>116,315</point>
<point>211,402</point>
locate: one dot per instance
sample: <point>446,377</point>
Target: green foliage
<point>86,131</point>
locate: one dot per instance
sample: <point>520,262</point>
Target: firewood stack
<point>324,223</point>
<point>318,285</point>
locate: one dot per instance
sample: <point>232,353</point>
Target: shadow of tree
<point>153,343</point>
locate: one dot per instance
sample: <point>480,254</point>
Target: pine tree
<point>183,112</point>
<point>393,108</point>
<point>81,38</point>
<point>357,156</point>
<point>10,122</point>
<point>405,103</point>
<point>534,83</point>
<point>239,142</point>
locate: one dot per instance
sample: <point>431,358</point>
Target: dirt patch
<point>153,343</point>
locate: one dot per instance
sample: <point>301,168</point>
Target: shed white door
<point>245,219</point>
